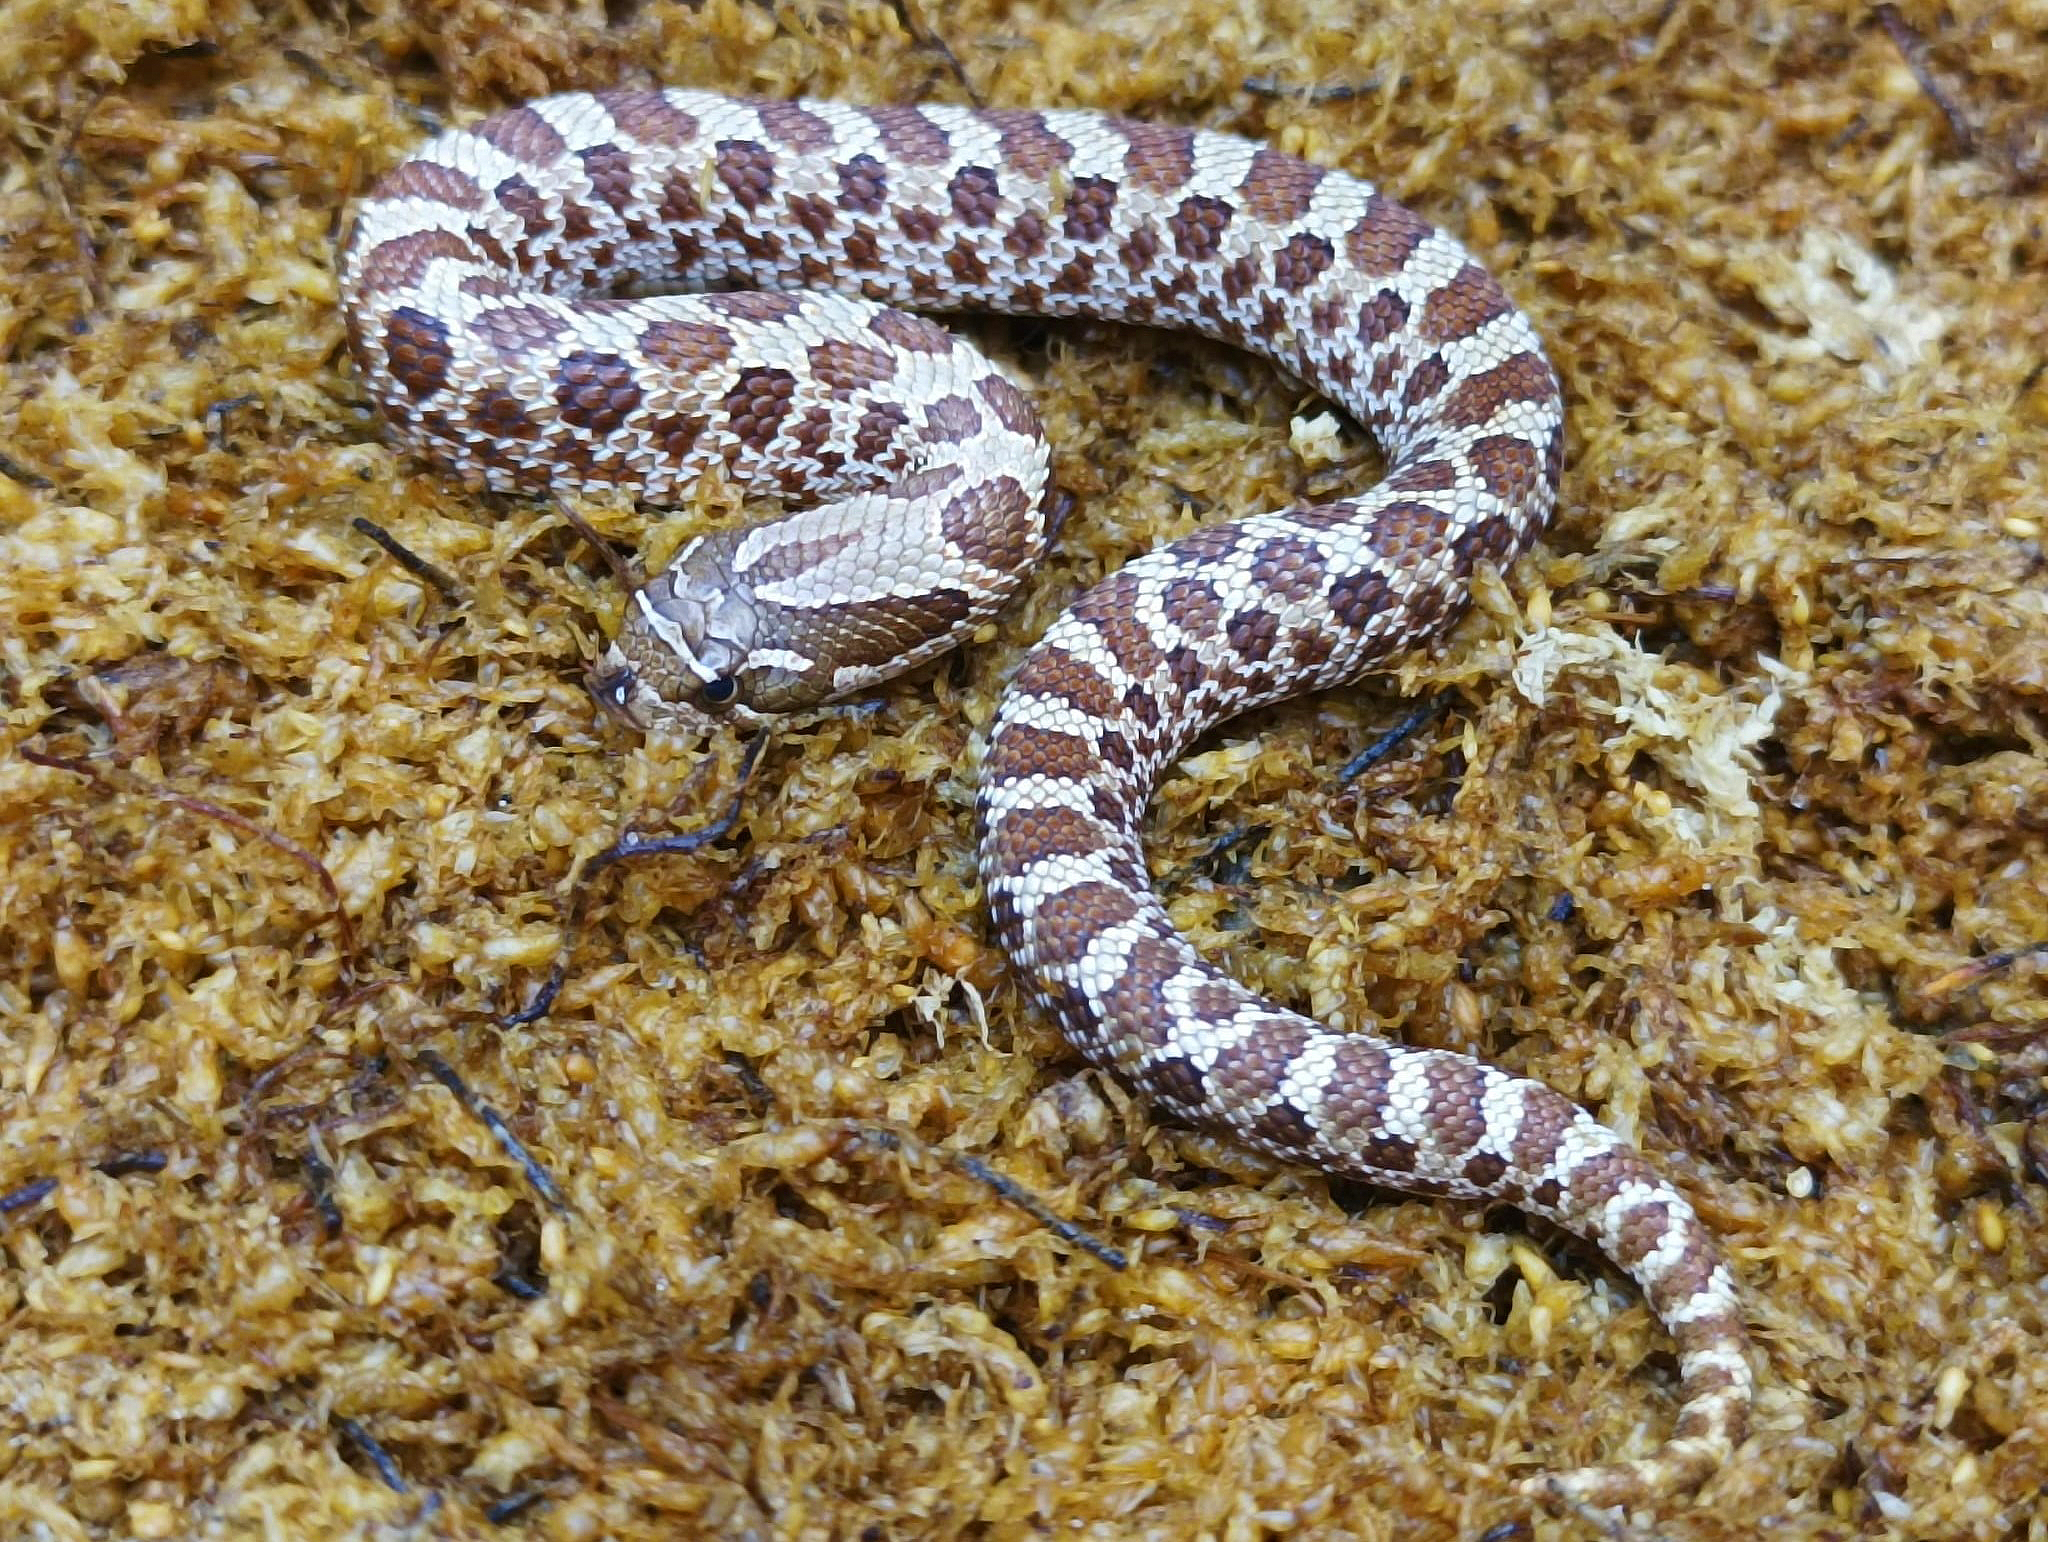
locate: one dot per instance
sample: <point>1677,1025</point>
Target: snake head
<point>690,658</point>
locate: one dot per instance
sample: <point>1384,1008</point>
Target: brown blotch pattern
<point>425,179</point>
<point>519,199</point>
<point>677,434</point>
<point>1545,1116</point>
<point>1257,1061</point>
<point>1194,603</point>
<point>488,286</point>
<point>610,171</point>
<point>1076,276</point>
<point>1428,476</point>
<point>1242,276</point>
<point>817,214</point>
<point>1252,633</point>
<point>1507,466</point>
<point>790,124</point>
<point>1279,188</point>
<point>951,420</point>
<point>757,404</point>
<point>1035,834</point>
<point>808,437</point>
<point>524,135</point>
<point>748,171</point>
<point>1303,260</point>
<point>763,305</point>
<point>595,391</point>
<point>401,262</point>
<point>416,350</point>
<point>1425,383</point>
<point>1091,205</point>
<point>1198,225</point>
<point>1173,1080</point>
<point>992,521</point>
<point>1027,236</point>
<point>965,263</point>
<point>690,348</point>
<point>521,330</point>
<point>679,204</point>
<point>846,366</point>
<point>649,117</point>
<point>864,185</point>
<point>1067,921</point>
<point>1457,1090</point>
<point>1484,1169</point>
<point>1383,240</point>
<point>1289,567</point>
<point>911,333</point>
<point>1029,146</point>
<point>1525,377</point>
<point>880,430</point>
<point>1356,598</point>
<point>1467,301</point>
<point>1641,1229</point>
<point>910,136</point>
<point>504,416</point>
<point>792,559</point>
<point>922,226</point>
<point>1408,532</point>
<point>1013,409</point>
<point>1033,751</point>
<point>1280,1124</point>
<point>976,196</point>
<point>1160,157</point>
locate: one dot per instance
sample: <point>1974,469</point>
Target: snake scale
<point>496,288</point>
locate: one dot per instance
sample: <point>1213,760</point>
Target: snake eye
<point>718,690</point>
<point>615,689</point>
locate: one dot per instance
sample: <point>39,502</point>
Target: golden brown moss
<point>1732,827</point>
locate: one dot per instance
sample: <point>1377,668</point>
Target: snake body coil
<point>472,287</point>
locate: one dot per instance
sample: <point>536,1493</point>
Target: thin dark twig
<point>1059,503</point>
<point>28,1194</point>
<point>15,471</point>
<point>63,155</point>
<point>1980,968</point>
<point>632,844</point>
<point>445,1074</point>
<point>217,417</point>
<point>122,1163</point>
<point>1336,91</point>
<point>409,559</point>
<point>626,848</point>
<point>926,38</point>
<point>1912,48</point>
<point>750,1081</point>
<point>319,71</point>
<point>621,569</point>
<point>380,1459</point>
<point>1392,739</point>
<point>1505,1531</point>
<point>511,1505</point>
<point>320,1184</point>
<point>519,1286</point>
<point>208,809</point>
<point>1032,1205</point>
<point>1230,840</point>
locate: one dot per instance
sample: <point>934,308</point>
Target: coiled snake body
<point>471,288</point>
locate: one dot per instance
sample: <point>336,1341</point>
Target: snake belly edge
<point>476,286</point>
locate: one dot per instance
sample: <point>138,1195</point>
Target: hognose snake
<point>470,289</point>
